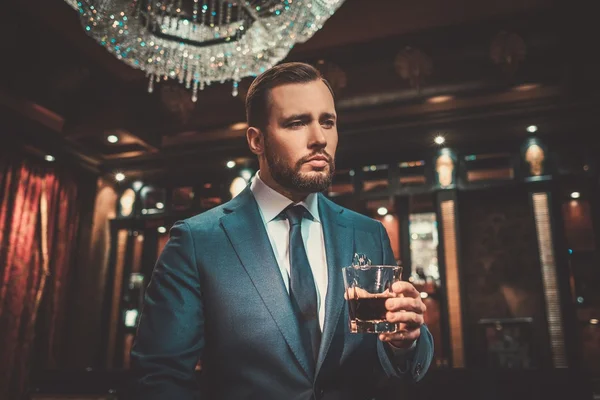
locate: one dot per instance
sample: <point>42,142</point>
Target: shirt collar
<point>272,203</point>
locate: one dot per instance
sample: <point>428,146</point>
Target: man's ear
<point>256,140</point>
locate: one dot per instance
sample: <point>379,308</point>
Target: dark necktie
<point>303,292</point>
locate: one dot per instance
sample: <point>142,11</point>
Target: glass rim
<point>363,267</point>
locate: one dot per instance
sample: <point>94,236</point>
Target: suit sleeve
<point>170,336</point>
<point>415,363</point>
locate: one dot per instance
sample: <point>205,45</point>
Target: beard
<point>293,179</point>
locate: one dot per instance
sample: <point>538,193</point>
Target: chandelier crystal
<point>198,42</point>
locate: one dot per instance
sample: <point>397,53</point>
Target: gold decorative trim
<point>138,248</point>
<point>116,297</point>
<point>45,272</point>
<point>453,283</point>
<point>490,174</point>
<point>543,227</point>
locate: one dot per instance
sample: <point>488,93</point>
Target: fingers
<point>409,318</point>
<point>406,289</point>
<point>405,304</point>
<point>408,336</point>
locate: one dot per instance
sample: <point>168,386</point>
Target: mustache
<point>323,153</point>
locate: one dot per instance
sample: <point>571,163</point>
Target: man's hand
<point>407,309</point>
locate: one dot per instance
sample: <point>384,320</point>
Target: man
<point>254,290</point>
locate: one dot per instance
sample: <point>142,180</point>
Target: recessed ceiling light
<point>162,229</point>
<point>119,176</point>
<point>382,211</point>
<point>439,140</point>
<point>49,158</point>
<point>239,126</point>
<point>160,205</point>
<point>532,128</point>
<point>112,138</point>
<point>526,87</point>
<point>230,164</point>
<point>575,195</point>
<point>439,99</point>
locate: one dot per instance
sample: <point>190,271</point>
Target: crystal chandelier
<point>198,42</point>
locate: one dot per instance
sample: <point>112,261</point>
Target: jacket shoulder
<point>359,221</point>
<point>206,219</point>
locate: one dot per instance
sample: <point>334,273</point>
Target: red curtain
<point>38,227</point>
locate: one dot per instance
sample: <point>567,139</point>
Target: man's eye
<point>295,124</point>
<point>329,123</point>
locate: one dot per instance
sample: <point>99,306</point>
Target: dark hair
<point>257,99</point>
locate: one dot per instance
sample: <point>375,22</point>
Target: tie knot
<point>294,214</point>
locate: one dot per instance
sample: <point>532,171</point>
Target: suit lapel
<point>338,234</point>
<point>246,232</point>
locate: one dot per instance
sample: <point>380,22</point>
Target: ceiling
<point>61,92</point>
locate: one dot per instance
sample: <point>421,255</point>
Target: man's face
<point>301,136</point>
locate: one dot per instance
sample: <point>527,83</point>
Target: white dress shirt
<point>271,204</point>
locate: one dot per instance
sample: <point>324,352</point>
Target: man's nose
<point>317,136</point>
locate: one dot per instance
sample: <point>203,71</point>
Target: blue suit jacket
<point>217,295</point>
